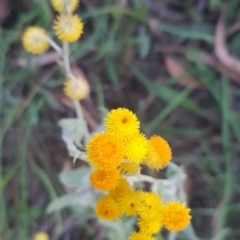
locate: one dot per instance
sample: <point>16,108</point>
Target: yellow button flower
<point>176,216</point>
<point>105,151</point>
<point>130,168</point>
<point>34,40</point>
<point>122,122</point>
<point>40,236</point>
<point>107,209</point>
<point>103,180</point>
<point>150,226</point>
<point>59,5</point>
<point>122,188</point>
<point>150,204</point>
<point>68,28</point>
<point>136,148</point>
<point>128,203</point>
<point>76,89</point>
<point>141,236</point>
<point>159,153</point>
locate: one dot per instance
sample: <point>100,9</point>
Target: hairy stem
<point>66,59</point>
<point>68,72</point>
<point>172,235</point>
<point>54,45</point>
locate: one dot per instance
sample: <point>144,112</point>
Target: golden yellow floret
<point>104,180</point>
<point>141,236</point>
<point>34,40</point>
<point>40,236</point>
<point>68,28</point>
<point>107,209</point>
<point>129,168</point>
<point>122,188</point>
<point>60,5</point>
<point>76,89</point>
<point>136,148</point>
<point>159,153</point>
<point>176,216</point>
<point>150,204</point>
<point>122,122</point>
<point>105,151</point>
<point>128,203</point>
<point>150,226</point>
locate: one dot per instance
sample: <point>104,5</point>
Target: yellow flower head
<point>129,168</point>
<point>136,148</point>
<point>40,236</point>
<point>159,153</point>
<point>60,5</point>
<point>176,216</point>
<point>122,122</point>
<point>150,204</point>
<point>103,180</point>
<point>76,89</point>
<point>141,236</point>
<point>68,28</point>
<point>150,226</point>
<point>107,208</point>
<point>128,203</point>
<point>120,189</point>
<point>34,40</point>
<point>105,151</point>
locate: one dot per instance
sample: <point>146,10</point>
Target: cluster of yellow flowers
<point>120,151</point>
<point>68,27</point>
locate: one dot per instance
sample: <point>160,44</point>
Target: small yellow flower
<point>107,209</point>
<point>34,40</point>
<point>105,151</point>
<point>60,5</point>
<point>103,180</point>
<point>150,204</point>
<point>141,236</point>
<point>128,203</point>
<point>129,168</point>
<point>76,89</point>
<point>176,216</point>
<point>159,153</point>
<point>122,188</point>
<point>68,28</point>
<point>40,236</point>
<point>150,226</point>
<point>122,122</point>
<point>136,148</point>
